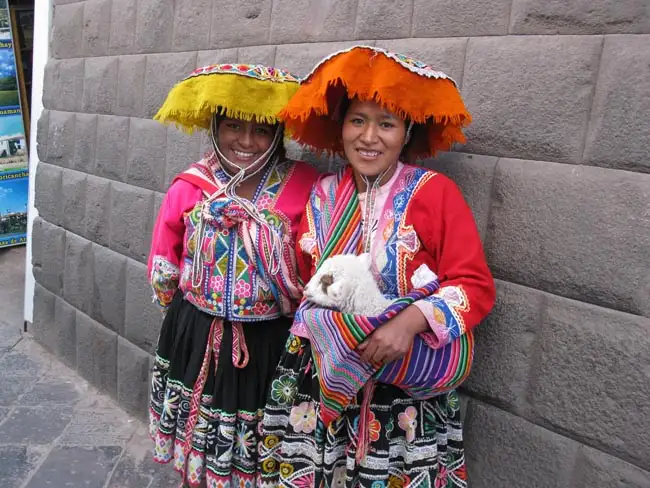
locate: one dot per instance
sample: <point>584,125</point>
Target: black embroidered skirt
<point>412,443</point>
<point>209,387</point>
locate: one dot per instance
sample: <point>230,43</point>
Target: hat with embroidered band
<point>240,91</point>
<point>407,87</point>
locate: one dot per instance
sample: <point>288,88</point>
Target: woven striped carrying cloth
<point>423,373</point>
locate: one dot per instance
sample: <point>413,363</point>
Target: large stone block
<point>124,14</point>
<point>216,56</point>
<point>591,378</point>
<point>257,55</point>
<point>98,210</point>
<point>162,73</point>
<point>131,217</point>
<point>78,273</point>
<point>143,318</point>
<point>383,19</point>
<point>48,193</point>
<point>619,131</point>
<point>580,17</point>
<point>504,346</point>
<point>530,96</point>
<point>243,23</point>
<point>63,332</point>
<point>64,83</point>
<point>96,29</point>
<point>97,354</point>
<point>130,86</point>
<point>109,288</point>
<point>132,378</point>
<point>595,469</point>
<point>157,204</point>
<point>294,150</point>
<point>85,136</point>
<point>49,78</point>
<point>67,27</point>
<point>540,216</point>
<point>61,134</point>
<point>505,450</point>
<point>146,157</point>
<point>154,26</point>
<point>48,255</point>
<point>111,148</point>
<point>312,21</point>
<point>41,135</point>
<point>300,59</point>
<point>182,150</point>
<point>100,85</point>
<point>474,174</point>
<point>447,55</point>
<point>192,20</point>
<point>206,147</point>
<point>73,196</point>
<point>449,18</point>
<point>43,318</point>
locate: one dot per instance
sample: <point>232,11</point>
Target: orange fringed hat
<point>407,87</point>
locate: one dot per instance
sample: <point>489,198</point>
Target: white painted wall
<point>42,23</point>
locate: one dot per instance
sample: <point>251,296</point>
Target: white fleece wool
<point>344,282</point>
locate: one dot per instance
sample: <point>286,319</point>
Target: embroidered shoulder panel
<point>399,241</point>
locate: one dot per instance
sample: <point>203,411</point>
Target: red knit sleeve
<point>303,258</point>
<point>446,228</point>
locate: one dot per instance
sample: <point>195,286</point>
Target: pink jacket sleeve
<point>167,240</point>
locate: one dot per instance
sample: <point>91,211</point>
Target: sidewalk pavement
<point>56,430</point>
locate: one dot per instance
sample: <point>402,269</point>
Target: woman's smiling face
<point>373,137</point>
<point>243,142</point>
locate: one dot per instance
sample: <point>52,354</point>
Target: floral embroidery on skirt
<point>412,443</point>
<point>222,447</point>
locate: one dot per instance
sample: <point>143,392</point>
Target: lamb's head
<point>340,280</point>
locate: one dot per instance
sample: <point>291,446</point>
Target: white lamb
<point>345,282</point>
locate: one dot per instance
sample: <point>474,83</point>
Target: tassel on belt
<point>240,359</point>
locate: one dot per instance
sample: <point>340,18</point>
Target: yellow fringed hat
<point>241,91</point>
<point>407,87</point>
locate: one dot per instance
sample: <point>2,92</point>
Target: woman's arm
<point>167,240</point>
<point>448,233</point>
<point>445,226</point>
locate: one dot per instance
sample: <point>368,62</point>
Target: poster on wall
<point>14,175</point>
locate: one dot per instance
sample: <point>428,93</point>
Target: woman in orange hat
<point>371,401</point>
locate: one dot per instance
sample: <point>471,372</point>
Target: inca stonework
<point>556,169</point>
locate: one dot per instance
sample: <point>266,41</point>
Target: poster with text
<point>13,207</point>
<point>14,176</point>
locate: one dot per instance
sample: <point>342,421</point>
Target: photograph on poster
<point>13,208</point>
<point>5,22</point>
<point>13,153</point>
<point>9,96</point>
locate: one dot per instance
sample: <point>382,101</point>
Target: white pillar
<point>42,23</point>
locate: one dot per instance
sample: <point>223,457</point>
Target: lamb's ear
<point>365,259</point>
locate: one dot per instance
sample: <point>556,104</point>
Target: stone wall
<point>557,171</point>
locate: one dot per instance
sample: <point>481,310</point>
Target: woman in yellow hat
<point>222,265</point>
<point>370,401</point>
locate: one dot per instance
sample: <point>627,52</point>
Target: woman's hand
<point>393,340</point>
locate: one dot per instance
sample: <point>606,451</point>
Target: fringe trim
<point>434,103</point>
<point>191,104</point>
